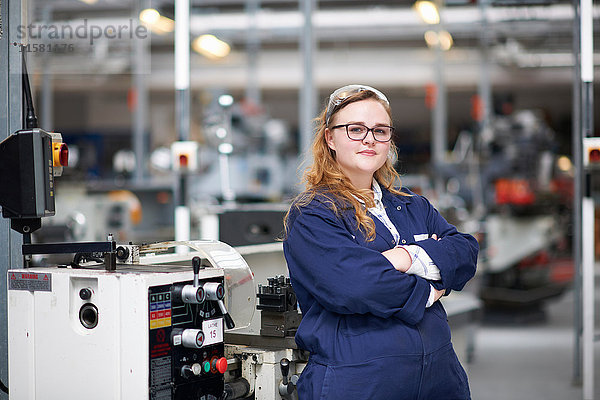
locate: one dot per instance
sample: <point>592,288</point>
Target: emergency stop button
<point>218,365</point>
<point>591,152</point>
<point>221,365</point>
<point>60,154</point>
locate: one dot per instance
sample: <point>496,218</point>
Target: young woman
<point>368,263</point>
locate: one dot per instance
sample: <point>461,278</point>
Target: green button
<point>206,366</point>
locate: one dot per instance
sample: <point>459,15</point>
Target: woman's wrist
<point>400,258</point>
<point>407,267</point>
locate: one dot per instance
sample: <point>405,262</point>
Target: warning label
<point>29,281</point>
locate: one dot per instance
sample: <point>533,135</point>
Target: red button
<point>64,155</point>
<point>222,365</point>
<point>183,160</point>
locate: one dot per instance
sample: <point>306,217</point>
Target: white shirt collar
<point>376,192</point>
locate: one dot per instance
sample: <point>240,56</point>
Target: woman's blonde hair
<point>325,178</point>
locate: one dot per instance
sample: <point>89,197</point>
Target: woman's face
<point>359,159</point>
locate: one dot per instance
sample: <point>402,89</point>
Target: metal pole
<point>182,113</point>
<point>577,198</point>
<point>587,206</point>
<point>307,90</point>
<point>484,91</point>
<point>440,115</point>
<point>224,160</point>
<point>439,139</point>
<point>11,103</point>
<point>485,86</point>
<point>140,91</point>
<point>182,68</point>
<point>47,112</point>
<point>252,51</point>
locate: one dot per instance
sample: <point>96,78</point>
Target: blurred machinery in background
<point>238,175</point>
<point>240,224</point>
<point>84,216</point>
<point>237,172</point>
<point>528,224</point>
<point>242,155</point>
<point>246,155</point>
<point>521,192</point>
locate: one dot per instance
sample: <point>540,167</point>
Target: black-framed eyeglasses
<point>357,132</point>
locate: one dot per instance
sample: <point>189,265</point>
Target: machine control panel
<point>186,341</point>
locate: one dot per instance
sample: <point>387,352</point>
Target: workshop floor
<point>530,362</point>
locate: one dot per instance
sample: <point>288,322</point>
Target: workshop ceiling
<point>382,42</point>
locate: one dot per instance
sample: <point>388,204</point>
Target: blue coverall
<point>364,323</point>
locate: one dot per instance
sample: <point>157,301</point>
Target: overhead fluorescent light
<point>155,22</point>
<point>443,39</point>
<point>428,11</point>
<point>431,38</point>
<point>211,47</point>
<point>149,16</point>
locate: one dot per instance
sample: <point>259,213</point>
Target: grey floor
<point>533,361</point>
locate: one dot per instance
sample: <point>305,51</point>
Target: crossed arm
<point>400,258</point>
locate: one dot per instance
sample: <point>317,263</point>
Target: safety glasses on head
<point>339,95</point>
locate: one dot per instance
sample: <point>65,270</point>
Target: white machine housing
<point>53,356</point>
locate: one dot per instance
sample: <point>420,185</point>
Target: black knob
<point>187,372</point>
<point>285,368</point>
<point>85,294</point>
<point>196,261</point>
<point>122,253</point>
<point>229,321</point>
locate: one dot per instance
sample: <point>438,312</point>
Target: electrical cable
<point>3,387</point>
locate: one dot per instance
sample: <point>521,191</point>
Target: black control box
<point>26,173</point>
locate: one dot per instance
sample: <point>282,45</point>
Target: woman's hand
<point>438,294</point>
<point>399,258</point>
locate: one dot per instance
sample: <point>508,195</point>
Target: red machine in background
<point>528,188</point>
<point>511,184</point>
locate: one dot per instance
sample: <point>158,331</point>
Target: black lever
<point>196,262</point>
<point>285,369</point>
<point>286,387</point>
<point>216,292</point>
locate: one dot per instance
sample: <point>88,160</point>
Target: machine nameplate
<point>213,331</point>
<point>29,281</point>
<point>160,371</point>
